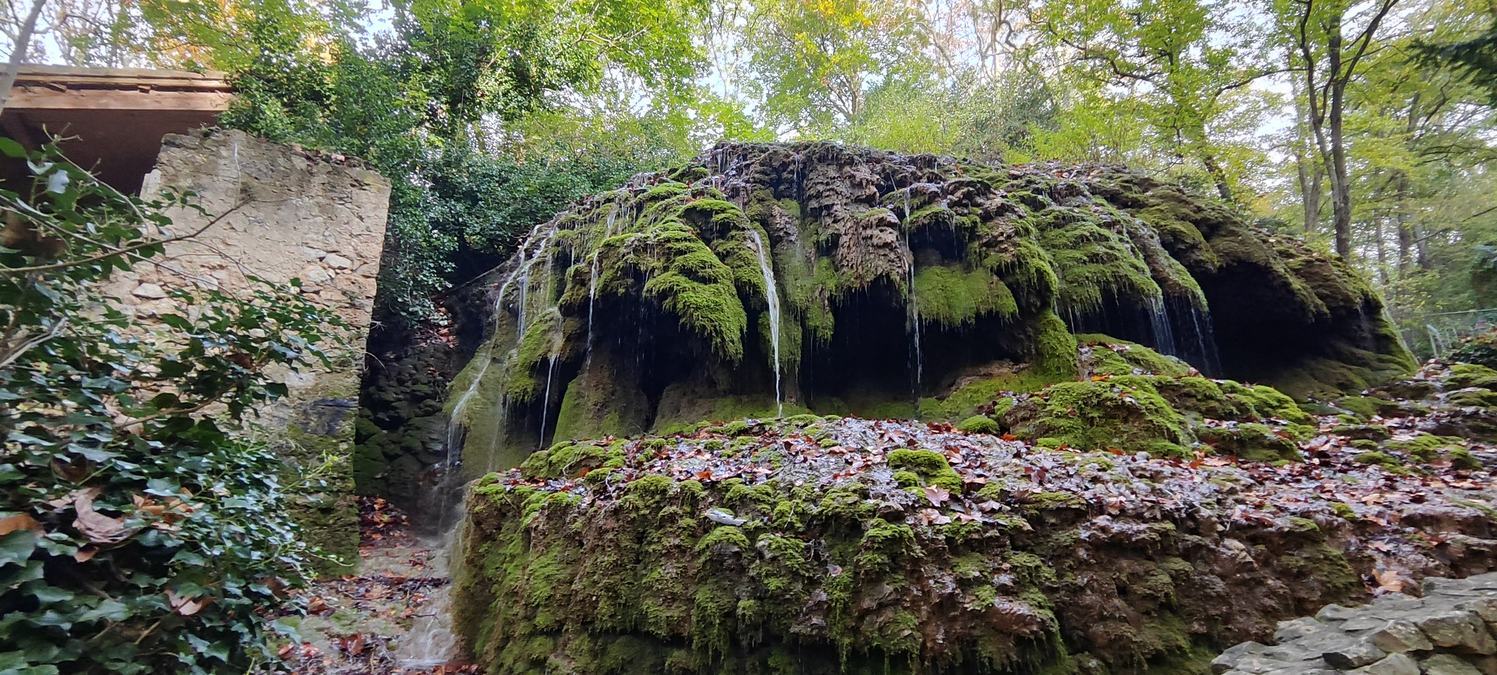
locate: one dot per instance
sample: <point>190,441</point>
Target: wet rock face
<point>896,277</point>
<point>1450,630</point>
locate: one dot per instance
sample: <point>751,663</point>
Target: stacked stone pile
<point>1451,630</point>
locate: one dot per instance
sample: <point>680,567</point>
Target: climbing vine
<point>141,529</point>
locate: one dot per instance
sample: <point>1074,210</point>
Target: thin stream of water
<point>772,299</point>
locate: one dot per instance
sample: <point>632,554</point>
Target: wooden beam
<point>121,77</point>
<point>43,98</point>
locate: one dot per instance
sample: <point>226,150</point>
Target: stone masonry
<point>291,214</point>
<point>1451,630</point>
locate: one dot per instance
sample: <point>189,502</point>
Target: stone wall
<point>284,213</point>
<point>1448,631</point>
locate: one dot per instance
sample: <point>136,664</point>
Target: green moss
<point>1041,502</point>
<point>952,296</point>
<point>1463,375</point>
<point>566,460</point>
<point>1052,347</point>
<point>974,395</point>
<point>882,544</point>
<point>1424,446</point>
<point>1472,398</point>
<point>931,466</point>
<point>1250,441</point>
<point>1124,412</point>
<point>1363,406</point>
<point>1462,458</point>
<point>1378,458</point>
<point>1264,402</point>
<point>979,424</point>
<point>698,289</point>
<point>1111,356</point>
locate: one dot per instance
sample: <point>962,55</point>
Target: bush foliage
<point>141,530</point>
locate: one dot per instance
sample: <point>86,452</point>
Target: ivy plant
<point>141,530</point>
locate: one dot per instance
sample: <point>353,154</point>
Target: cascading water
<point>592,297</point>
<point>431,641</point>
<point>912,305</point>
<point>1159,325</point>
<point>772,299</point>
<point>546,398</point>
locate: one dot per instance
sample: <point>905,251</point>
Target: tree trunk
<point>1310,174</point>
<point>18,55</point>
<point>1218,176</point>
<point>1381,248</point>
<point>1402,190</point>
<point>1405,228</point>
<point>1340,186</point>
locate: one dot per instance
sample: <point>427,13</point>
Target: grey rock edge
<point>1448,631</point>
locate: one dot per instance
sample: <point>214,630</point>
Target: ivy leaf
<point>17,546</point>
<point>109,609</point>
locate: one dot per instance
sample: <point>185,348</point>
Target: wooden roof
<point>113,119</point>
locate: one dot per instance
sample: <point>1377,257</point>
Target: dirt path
<point>371,623</point>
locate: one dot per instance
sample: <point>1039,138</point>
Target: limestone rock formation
<point>784,278</point>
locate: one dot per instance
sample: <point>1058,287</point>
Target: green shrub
<point>140,535</point>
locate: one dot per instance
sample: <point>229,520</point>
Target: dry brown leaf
<point>936,495</point>
<point>187,606</point>
<point>17,522</point>
<point>97,527</point>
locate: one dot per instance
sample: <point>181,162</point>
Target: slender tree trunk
<point>1340,186</point>
<point>1402,190</point>
<point>1218,176</point>
<point>18,55</point>
<point>1381,248</point>
<point>1310,173</point>
<point>1405,230</point>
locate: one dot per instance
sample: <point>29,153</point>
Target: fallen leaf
<point>936,495</point>
<point>1389,581</point>
<point>17,522</point>
<point>187,606</point>
<point>97,527</point>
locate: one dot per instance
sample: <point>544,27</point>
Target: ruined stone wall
<point>284,214</point>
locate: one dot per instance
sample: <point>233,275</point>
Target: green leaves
<point>136,536</point>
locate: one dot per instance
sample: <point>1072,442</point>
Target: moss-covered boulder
<point>818,277</point>
<point>835,545</point>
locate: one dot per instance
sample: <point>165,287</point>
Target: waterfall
<point>1159,325</point>
<point>912,304</point>
<point>1205,340</point>
<point>592,296</point>
<point>546,398</point>
<point>772,299</point>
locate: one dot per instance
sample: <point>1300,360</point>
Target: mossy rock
<point>1124,412</point>
<point>1469,375</point>
<point>809,277</point>
<point>1105,355</point>
<point>1251,442</point>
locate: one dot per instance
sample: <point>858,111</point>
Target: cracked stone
<point>1457,629</point>
<point>1447,664</point>
<point>1353,654</point>
<point>1400,636</point>
<point>1394,664</point>
<point>1295,629</point>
